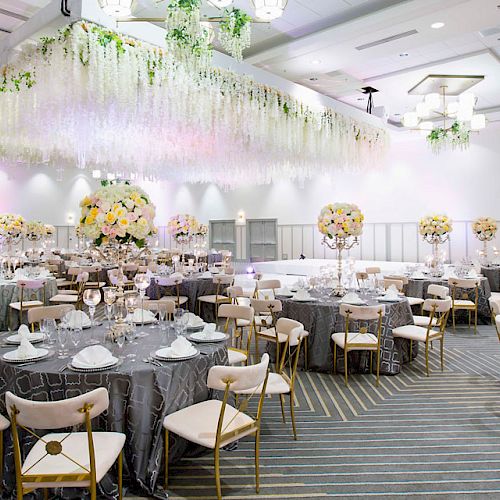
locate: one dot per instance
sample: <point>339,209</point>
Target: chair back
<point>439,309</point>
<point>494,306</point>
<point>291,328</point>
<point>224,279</point>
<point>362,313</point>
<point>160,305</point>
<point>234,311</point>
<point>37,314</point>
<point>361,277</point>
<point>234,292</point>
<point>74,272</point>
<point>268,284</point>
<point>464,284</point>
<point>373,270</point>
<point>290,353</point>
<point>439,291</point>
<point>399,277</point>
<point>32,415</point>
<point>388,282</point>
<point>56,414</point>
<point>32,285</point>
<point>238,378</point>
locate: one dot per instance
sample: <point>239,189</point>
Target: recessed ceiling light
<point>315,61</point>
<point>404,54</point>
<point>437,26</point>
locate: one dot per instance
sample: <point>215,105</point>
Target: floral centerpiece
<point>182,227</point>
<point>201,230</point>
<point>435,229</point>
<point>35,230</point>
<point>484,229</point>
<point>341,224</point>
<point>50,230</point>
<point>118,213</point>
<point>12,227</point>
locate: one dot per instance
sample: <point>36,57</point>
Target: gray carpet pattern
<point>414,436</point>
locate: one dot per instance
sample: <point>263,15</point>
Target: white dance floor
<point>309,267</point>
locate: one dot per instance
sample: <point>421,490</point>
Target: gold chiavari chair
<point>59,459</point>
<point>360,339</point>
<point>439,309</point>
<point>161,305</point>
<point>215,424</point>
<point>171,285</point>
<point>438,292</point>
<point>362,279</point>
<point>266,289</point>
<point>4,425</point>
<point>29,291</point>
<point>77,300</point>
<point>413,301</point>
<point>282,383</point>
<point>460,299</point>
<point>38,314</point>
<point>242,317</point>
<point>218,298</point>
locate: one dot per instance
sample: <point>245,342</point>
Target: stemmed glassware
<point>109,300</point>
<point>49,328</point>
<point>131,303</point>
<point>62,338</point>
<point>180,320</point>
<point>141,282</point>
<point>91,298</point>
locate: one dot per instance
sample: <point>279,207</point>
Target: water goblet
<point>62,339</point>
<point>109,293</point>
<point>75,335</point>
<point>50,328</point>
<point>91,298</point>
<point>120,342</point>
<point>141,282</point>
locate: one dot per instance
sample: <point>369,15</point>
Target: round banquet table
<point>140,394</point>
<point>9,293</point>
<point>192,288</point>
<point>418,288</point>
<point>321,318</point>
<point>492,273</point>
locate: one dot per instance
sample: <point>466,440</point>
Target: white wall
<point>410,183</point>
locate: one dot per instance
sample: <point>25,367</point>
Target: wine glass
<point>178,323</point>
<point>141,282</point>
<point>109,300</point>
<point>120,342</point>
<point>91,298</point>
<point>50,329</point>
<point>75,335</point>
<point>62,339</point>
<point>131,303</point>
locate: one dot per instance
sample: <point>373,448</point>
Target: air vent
<point>335,84</point>
<point>495,31</point>
<point>386,40</point>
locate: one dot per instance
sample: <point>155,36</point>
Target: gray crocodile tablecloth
<point>141,395</point>
<point>493,275</point>
<point>322,318</point>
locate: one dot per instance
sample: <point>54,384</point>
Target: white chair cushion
<point>4,423</point>
<point>63,282</point>
<point>68,292</point>
<point>64,298</point>
<point>213,298</point>
<point>424,321</point>
<point>354,338</point>
<point>413,332</point>
<point>107,447</point>
<point>270,334</point>
<point>198,423</point>
<point>99,284</point>
<point>464,303</point>
<point>236,357</point>
<point>276,384</point>
<point>26,304</point>
<point>415,301</point>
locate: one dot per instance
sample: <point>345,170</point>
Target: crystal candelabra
<point>119,253</point>
<point>483,254</point>
<point>436,262</point>
<point>340,244</point>
<point>10,259</point>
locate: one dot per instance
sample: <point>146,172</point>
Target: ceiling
<point>327,45</point>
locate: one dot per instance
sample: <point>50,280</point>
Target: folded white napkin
<point>92,357</point>
<point>194,321</point>
<point>206,274</point>
<point>180,348</point>
<point>25,349</point>
<point>351,298</point>
<point>209,330</point>
<point>137,317</point>
<point>302,294</point>
<point>214,270</point>
<point>77,319</point>
<point>391,293</point>
<point>285,290</point>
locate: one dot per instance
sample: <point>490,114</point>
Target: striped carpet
<point>413,436</point>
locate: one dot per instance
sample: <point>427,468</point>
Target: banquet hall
<point>249,249</point>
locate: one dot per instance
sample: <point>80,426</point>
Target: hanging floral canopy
<point>96,99</point>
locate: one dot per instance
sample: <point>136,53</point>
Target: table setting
<point>147,377</point>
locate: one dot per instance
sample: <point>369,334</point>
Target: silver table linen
<point>492,273</point>
<point>141,395</point>
<point>322,318</point>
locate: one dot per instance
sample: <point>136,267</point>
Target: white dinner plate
<point>86,369</point>
<point>34,338</point>
<point>385,299</point>
<point>310,299</point>
<point>353,302</point>
<point>80,366</point>
<point>165,354</point>
<point>11,356</point>
<point>214,337</point>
